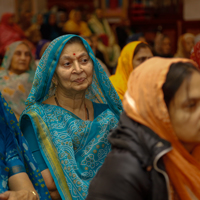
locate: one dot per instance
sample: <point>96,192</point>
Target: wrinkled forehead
<point>74,49</point>
<point>55,49</point>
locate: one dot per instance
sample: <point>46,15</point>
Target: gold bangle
<point>34,194</point>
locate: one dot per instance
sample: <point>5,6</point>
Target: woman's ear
<point>54,80</point>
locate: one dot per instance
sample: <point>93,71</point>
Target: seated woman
<point>70,110</point>
<point>16,76</point>
<point>107,42</point>
<point>163,47</point>
<point>75,24</point>
<point>49,29</point>
<point>156,146</point>
<point>132,55</point>
<point>185,45</point>
<point>14,157</point>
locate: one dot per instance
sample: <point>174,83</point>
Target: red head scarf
<point>196,54</point>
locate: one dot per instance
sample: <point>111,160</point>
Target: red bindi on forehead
<point>74,54</point>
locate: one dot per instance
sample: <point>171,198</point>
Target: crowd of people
<point>87,114</point>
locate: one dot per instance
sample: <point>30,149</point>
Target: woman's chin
<point>80,87</point>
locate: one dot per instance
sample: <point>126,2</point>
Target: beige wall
<point>10,6</point>
<point>191,10</point>
<point>7,6</point>
<point>40,6</point>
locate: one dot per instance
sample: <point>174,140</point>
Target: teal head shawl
<point>101,90</point>
<point>73,149</point>
<point>9,125</point>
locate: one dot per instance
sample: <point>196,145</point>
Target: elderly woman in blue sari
<point>70,110</point>
<point>17,164</point>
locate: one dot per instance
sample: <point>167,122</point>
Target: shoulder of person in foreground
<point>122,175</point>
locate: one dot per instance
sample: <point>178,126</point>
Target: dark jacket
<point>134,169</point>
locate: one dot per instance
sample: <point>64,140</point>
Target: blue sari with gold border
<point>15,154</point>
<point>73,149</point>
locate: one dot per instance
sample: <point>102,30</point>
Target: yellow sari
<point>124,68</point>
<point>72,26</point>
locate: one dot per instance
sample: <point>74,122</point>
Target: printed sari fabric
<point>124,68</point>
<point>15,156</point>
<point>73,149</point>
<point>15,88</point>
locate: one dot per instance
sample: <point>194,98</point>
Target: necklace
<point>86,110</point>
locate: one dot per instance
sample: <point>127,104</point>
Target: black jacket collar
<point>138,139</point>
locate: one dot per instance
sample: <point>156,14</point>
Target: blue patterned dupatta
<point>73,149</point>
<point>7,118</point>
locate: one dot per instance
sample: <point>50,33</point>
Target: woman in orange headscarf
<point>156,146</point>
<point>132,55</point>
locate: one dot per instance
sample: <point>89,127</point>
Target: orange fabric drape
<point>144,102</point>
<point>124,68</point>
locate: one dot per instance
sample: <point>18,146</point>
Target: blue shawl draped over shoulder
<point>9,125</point>
<point>73,149</point>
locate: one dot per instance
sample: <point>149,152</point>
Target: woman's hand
<point>50,185</point>
<point>19,195</point>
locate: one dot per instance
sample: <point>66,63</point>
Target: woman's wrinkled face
<point>21,59</point>
<point>189,44</point>
<point>184,110</point>
<point>75,69</point>
<point>142,55</point>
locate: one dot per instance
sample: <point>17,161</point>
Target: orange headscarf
<point>124,68</point>
<point>144,103</point>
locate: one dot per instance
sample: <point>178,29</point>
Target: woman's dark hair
<point>75,39</point>
<point>139,46</point>
<point>178,72</point>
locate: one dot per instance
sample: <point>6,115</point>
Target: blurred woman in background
<point>75,24</point>
<point>132,55</point>
<point>16,75</point>
<point>185,45</point>
<point>107,42</point>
